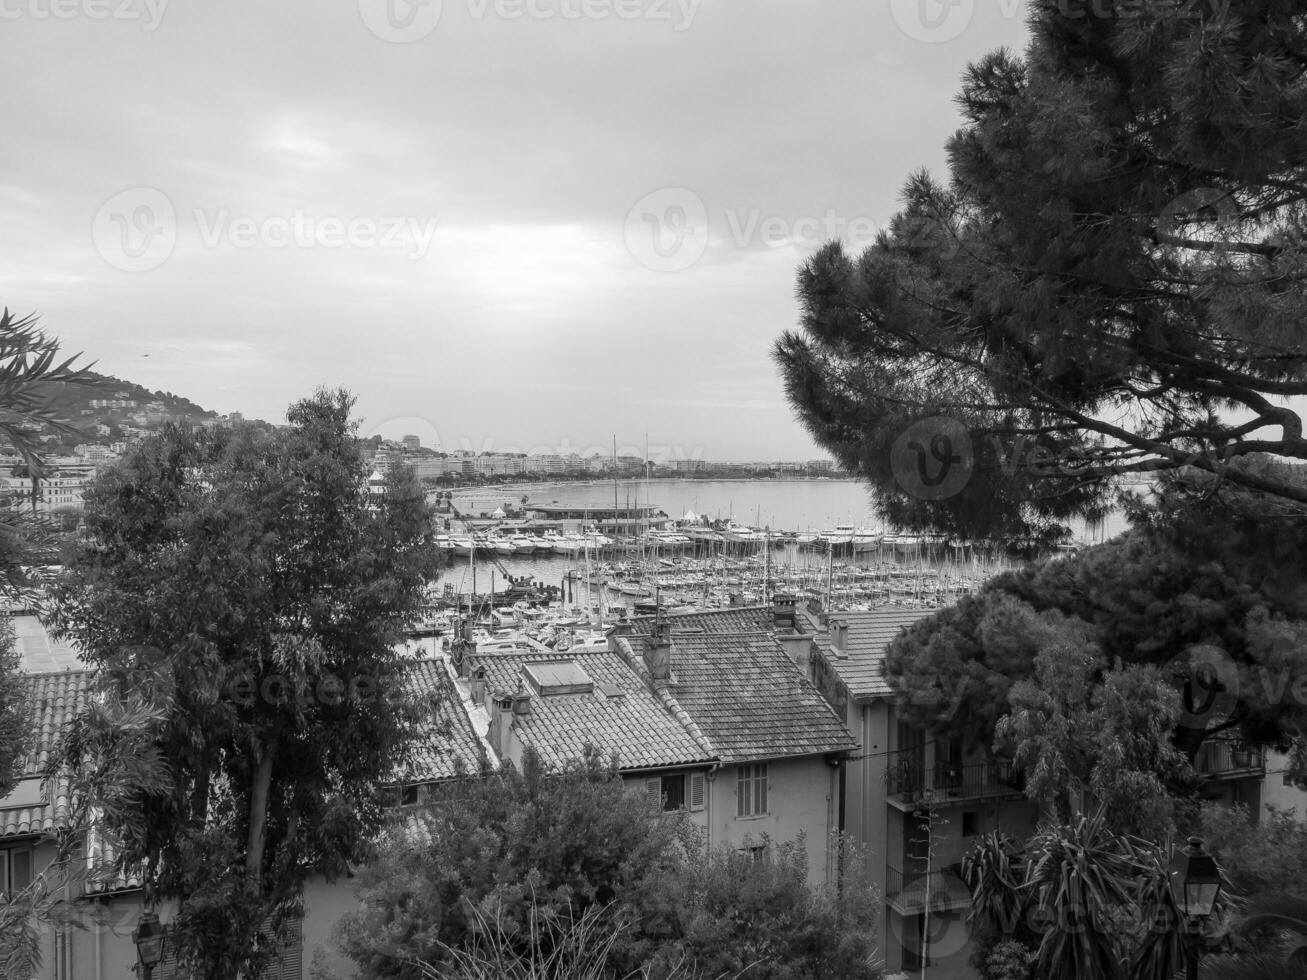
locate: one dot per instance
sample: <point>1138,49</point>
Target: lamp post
<point>149,938</point>
<point>1195,881</point>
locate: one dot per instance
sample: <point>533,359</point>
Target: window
<point>751,790</point>
<point>970,825</point>
<point>668,792</point>
<point>15,869</point>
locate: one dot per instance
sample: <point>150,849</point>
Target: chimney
<point>798,647</point>
<point>521,705</point>
<point>784,615</point>
<point>658,651</point>
<point>814,606</point>
<point>501,723</point>
<point>619,629</point>
<point>478,685</point>
<point>839,638</point>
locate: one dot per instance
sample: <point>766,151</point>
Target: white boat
<point>840,536</point>
<point>523,544</point>
<point>462,545</point>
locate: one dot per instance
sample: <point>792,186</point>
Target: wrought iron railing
<point>1227,756</point>
<point>909,890</point>
<point>909,781</point>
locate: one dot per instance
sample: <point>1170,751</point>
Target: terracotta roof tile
<point>621,715</point>
<point>450,743</point>
<point>748,696</point>
<point>740,619</point>
<point>53,700</point>
<point>870,633</point>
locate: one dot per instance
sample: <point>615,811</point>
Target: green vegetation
<point>1109,281</point>
<point>243,583</point>
<point>536,872</point>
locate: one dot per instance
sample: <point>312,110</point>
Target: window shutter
<point>763,783</point>
<point>653,791</point>
<point>696,791</point>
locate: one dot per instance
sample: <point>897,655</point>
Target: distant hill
<point>117,410</point>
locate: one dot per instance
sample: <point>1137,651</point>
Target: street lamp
<point>148,937</point>
<point>1195,882</point>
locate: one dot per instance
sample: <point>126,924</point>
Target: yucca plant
<point>1083,877</point>
<point>994,871</point>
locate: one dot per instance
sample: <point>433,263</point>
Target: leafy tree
<point>731,913</point>
<point>243,579</point>
<point>1259,856</point>
<point>1110,282</point>
<point>15,721</point>
<point>518,868</point>
<point>504,847</point>
<point>1190,597</point>
<point>1111,741</point>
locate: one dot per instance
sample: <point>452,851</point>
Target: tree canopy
<point>1183,626</point>
<point>519,869</point>
<point>243,580</point>
<point>1110,281</point>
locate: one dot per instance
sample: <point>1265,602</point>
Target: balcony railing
<point>907,891</point>
<point>909,783</point>
<point>1225,758</point>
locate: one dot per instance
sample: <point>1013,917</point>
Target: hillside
<point>117,410</point>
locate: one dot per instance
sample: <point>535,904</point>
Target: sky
<point>504,225</point>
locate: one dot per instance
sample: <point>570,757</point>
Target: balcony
<point>907,784</point>
<point>1227,758</point>
<point>906,892</point>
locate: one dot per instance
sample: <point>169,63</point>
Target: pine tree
<point>1110,282</point>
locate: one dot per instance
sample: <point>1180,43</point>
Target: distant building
<point>411,443</point>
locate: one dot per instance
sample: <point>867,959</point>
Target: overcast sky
<point>503,224</point>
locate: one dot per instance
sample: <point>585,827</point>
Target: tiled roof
<point>621,715</point>
<point>53,700</point>
<point>40,652</point>
<point>450,744</point>
<point>748,696</point>
<point>740,619</point>
<point>870,633</point>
